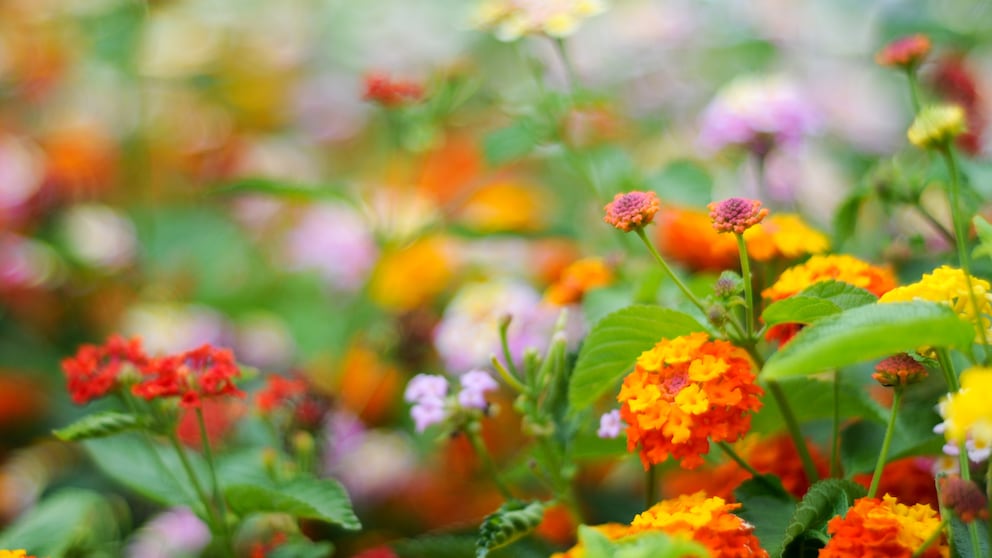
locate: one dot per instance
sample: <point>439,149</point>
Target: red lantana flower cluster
<point>207,371</point>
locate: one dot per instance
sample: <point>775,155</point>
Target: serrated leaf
<point>99,425</point>
<point>303,498</point>
<point>614,344</point>
<point>766,505</point>
<point>132,461</point>
<point>961,537</point>
<point>70,520</point>
<point>824,500</point>
<point>868,332</point>
<point>817,301</point>
<point>511,522</point>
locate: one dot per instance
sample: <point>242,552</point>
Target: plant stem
<point>570,76</point>
<point>914,89</point>
<point>886,442</point>
<point>479,445</point>
<point>650,486</point>
<point>211,466</point>
<point>748,289</point>
<point>668,270</point>
<point>193,479</point>
<point>835,438</point>
<point>793,426</point>
<point>960,233</point>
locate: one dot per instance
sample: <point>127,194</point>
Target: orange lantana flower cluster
<point>684,392</point>
<point>707,521</point>
<point>874,527</point>
<point>576,279</point>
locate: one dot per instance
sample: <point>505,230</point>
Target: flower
<point>427,392</point>
<point>899,370</point>
<point>14,554</point>
<point>736,215</point>
<point>475,384</point>
<point>684,392</point>
<point>174,532</point>
<point>963,497</point>
<point>278,391</point>
<point>512,19</point>
<point>333,240</point>
<point>687,236</point>
<point>909,480</point>
<point>203,372</point>
<point>967,413</point>
<point>95,370</point>
<point>390,92</point>
<point>936,125</point>
<point>757,114</point>
<point>904,52</point>
<point>956,82</point>
<point>580,276</point>
<point>874,527</point>
<point>848,269</point>
<point>610,424</point>
<point>949,286</point>
<point>632,210</point>
<point>784,235</point>
<point>705,520</point>
<point>412,275</point>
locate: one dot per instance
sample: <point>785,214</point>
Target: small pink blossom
<point>610,424</point>
<point>475,384</point>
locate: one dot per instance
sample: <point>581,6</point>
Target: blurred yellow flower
<point>967,412</point>
<point>512,19</point>
<point>784,235</point>
<point>576,279</point>
<point>410,276</point>
<point>936,125</point>
<point>505,207</point>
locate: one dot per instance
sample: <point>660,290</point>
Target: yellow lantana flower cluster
<point>967,413</point>
<point>786,236</point>
<point>949,285</point>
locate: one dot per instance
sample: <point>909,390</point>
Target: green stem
<point>932,538</point>
<point>988,495</point>
<point>914,89</point>
<point>793,426</point>
<point>504,343</point>
<point>566,62</point>
<point>193,479</point>
<point>835,438</point>
<point>212,468</point>
<point>748,288</point>
<point>479,445</point>
<point>668,270</point>
<point>886,442</point>
<point>650,486</point>
<point>960,234</point>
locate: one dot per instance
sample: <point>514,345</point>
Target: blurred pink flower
<point>173,533</point>
<point>335,241</point>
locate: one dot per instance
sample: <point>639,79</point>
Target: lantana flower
<point>883,527</point>
<point>786,236</point>
<point>949,286</point>
<point>580,276</point>
<point>684,392</point>
<point>207,371</point>
<point>14,554</point>
<point>632,210</point>
<point>432,404</point>
<point>904,52</point>
<point>968,415</point>
<point>936,126</point>
<point>736,215</point>
<point>95,369</point>
<point>512,19</point>
<point>707,521</point>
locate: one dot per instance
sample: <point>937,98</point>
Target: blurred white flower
<point>172,328</point>
<point>99,236</point>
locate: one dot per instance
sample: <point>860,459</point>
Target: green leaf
<point>303,498</point>
<point>868,332</point>
<point>65,523</point>
<point>824,500</point>
<point>650,544</point>
<point>768,508</point>
<point>512,142</point>
<point>817,301</point>
<point>683,182</point>
<point>511,522</point>
<point>99,425</point>
<point>279,189</point>
<point>961,538</point>
<point>614,344</point>
<point>440,546</point>
<point>984,230</point>
<point>811,398</point>
<point>153,471</point>
<point>302,549</point>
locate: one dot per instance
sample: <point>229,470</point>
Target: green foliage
<point>824,500</point>
<point>512,142</point>
<point>811,398</point>
<point>440,546</point>
<point>817,301</point>
<point>962,541</point>
<point>683,182</point>
<point>511,522</point>
<point>99,425</point>
<point>302,549</point>
<point>868,332</point>
<point>70,522</point>
<point>766,505</point>
<point>149,470</point>
<point>302,498</point>
<point>984,230</point>
<point>614,344</point>
<point>644,545</point>
<point>280,189</point>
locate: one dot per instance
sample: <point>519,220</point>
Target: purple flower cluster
<point>429,395</point>
<point>610,424</point>
<point>757,114</point>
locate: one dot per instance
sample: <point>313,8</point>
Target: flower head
<point>936,125</point>
<point>512,19</point>
<point>904,52</point>
<point>428,393</point>
<point>757,114</point>
<point>278,390</point>
<point>203,372</point>
<point>963,497</point>
<point>949,286</point>
<point>14,554</point>
<point>475,384</point>
<point>632,210</point>
<point>686,235</point>
<point>684,392</point>
<point>610,424</point>
<point>736,215</point>
<point>874,527</point>
<point>899,370</point>
<point>390,92</point>
<point>95,369</point>
<point>786,236</point>
<point>580,276</point>
<point>967,413</point>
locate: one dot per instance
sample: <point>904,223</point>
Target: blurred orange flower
<point>576,279</point>
<point>687,237</point>
<point>410,276</point>
<point>785,236</point>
